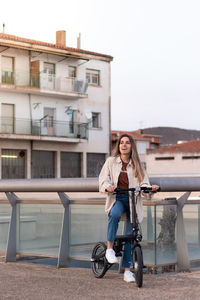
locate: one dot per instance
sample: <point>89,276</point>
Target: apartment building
<point>54,109</point>
<point>143,141</point>
<point>180,159</point>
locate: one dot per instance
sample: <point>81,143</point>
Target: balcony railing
<point>44,81</point>
<point>44,127</point>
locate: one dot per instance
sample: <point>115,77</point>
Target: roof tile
<point>191,146</point>
<point>35,42</point>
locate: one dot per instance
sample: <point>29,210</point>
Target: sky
<point>155,73</point>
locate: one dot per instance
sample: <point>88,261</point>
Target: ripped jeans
<point>120,206</point>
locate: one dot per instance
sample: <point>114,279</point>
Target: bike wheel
<point>98,261</point>
<point>138,266</point>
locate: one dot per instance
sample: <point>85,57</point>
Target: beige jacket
<point>109,177</point>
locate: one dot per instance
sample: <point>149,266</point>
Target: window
<point>95,162</point>
<point>48,78</point>
<point>144,164</point>
<point>72,72</point>
<point>95,120</point>
<point>141,147</point>
<point>7,67</point>
<point>13,163</point>
<point>93,77</point>
<point>49,69</point>
<point>70,164</point>
<point>191,157</point>
<point>48,123</point>
<point>152,146</point>
<point>164,158</point>
<point>43,164</point>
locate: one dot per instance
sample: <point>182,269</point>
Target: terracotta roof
<point>25,40</point>
<point>131,133</point>
<point>136,134</point>
<point>191,146</point>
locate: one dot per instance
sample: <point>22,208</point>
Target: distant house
<point>183,158</point>
<point>143,141</point>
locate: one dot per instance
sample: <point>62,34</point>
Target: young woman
<point>123,170</point>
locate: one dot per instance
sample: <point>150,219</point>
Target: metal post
<point>121,269</point>
<point>183,263</point>
<point>149,224</point>
<point>63,256</point>
<point>199,224</point>
<point>11,244</point>
<point>155,237</point>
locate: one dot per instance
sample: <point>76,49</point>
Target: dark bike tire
<point>98,261</point>
<point>138,266</point>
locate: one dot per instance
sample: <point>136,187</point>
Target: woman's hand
<point>110,189</point>
<point>155,187</point>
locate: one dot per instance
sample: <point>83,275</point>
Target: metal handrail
<point>44,127</point>
<point>167,184</point>
<point>61,186</point>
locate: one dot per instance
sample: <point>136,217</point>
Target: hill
<point>171,135</point>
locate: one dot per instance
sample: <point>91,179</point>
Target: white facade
<point>46,109</point>
<point>169,163</point>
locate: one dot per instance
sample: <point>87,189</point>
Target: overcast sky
<point>155,45</point>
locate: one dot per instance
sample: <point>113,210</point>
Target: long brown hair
<point>138,168</point>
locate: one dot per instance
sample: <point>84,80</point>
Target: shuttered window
<point>43,164</point>
<point>95,162</point>
<point>7,63</point>
<point>70,164</point>
<point>13,163</point>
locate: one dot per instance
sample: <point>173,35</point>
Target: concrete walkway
<point>25,281</point>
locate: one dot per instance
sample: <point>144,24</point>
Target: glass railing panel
<point>44,127</point>
<point>5,215</point>
<point>44,81</point>
<point>191,214</point>
<point>148,235</point>
<point>23,126</point>
<point>165,231</point>
<point>64,129</point>
<point>22,78</point>
<point>39,229</point>
<point>88,225</point>
<point>7,125</point>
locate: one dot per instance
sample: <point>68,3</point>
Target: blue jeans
<point>121,206</point>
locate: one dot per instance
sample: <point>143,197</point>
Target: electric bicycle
<point>99,263</point>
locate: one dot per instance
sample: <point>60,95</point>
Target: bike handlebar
<point>144,189</point>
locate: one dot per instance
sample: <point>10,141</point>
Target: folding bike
<point>99,263</point>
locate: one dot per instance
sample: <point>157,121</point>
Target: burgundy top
<point>123,177</point>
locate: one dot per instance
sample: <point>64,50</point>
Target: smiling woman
<point>124,170</point>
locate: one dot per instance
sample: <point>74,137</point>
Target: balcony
<point>43,83</point>
<point>43,128</point>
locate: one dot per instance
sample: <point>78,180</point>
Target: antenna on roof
<point>3,27</point>
<point>79,41</point>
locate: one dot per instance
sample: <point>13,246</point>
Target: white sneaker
<point>110,256</point>
<point>128,276</point>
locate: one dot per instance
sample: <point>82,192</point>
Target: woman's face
<point>125,146</point>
